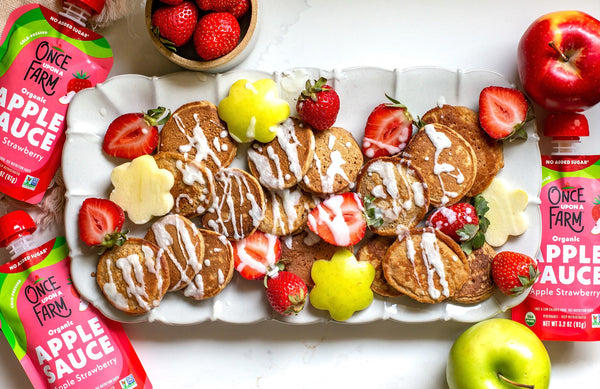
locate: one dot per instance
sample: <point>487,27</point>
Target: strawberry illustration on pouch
<point>80,81</point>
<point>596,215</point>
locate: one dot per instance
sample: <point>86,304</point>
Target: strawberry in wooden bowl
<point>203,35</point>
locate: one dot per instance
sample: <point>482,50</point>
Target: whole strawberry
<point>464,222</point>
<point>216,5</point>
<point>216,34</point>
<point>240,8</point>
<point>513,272</point>
<point>172,2</point>
<point>286,292</point>
<point>318,104</point>
<point>175,24</point>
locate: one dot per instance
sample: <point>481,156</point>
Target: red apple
<point>559,61</point>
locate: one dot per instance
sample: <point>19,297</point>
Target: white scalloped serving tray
<point>87,169</point>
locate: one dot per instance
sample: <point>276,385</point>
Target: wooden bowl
<point>186,55</point>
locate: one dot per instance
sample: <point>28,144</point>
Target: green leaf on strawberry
<point>514,272</point>
<point>473,236</point>
<point>373,214</point>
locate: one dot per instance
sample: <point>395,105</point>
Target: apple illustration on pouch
<point>559,61</point>
<point>498,354</point>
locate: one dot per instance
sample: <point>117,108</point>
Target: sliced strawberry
<point>134,134</point>
<point>502,112</point>
<point>100,223</point>
<point>465,223</point>
<point>256,255</point>
<point>388,129</point>
<point>339,220</point>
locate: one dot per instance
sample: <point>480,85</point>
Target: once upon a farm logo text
<point>567,206</point>
<point>47,300</point>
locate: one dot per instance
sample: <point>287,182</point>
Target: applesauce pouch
<point>45,59</point>
<point>60,340</point>
<point>564,303</point>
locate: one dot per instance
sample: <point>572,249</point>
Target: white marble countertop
<point>460,34</point>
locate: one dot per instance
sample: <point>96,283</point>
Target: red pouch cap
<point>14,225</point>
<point>94,7</point>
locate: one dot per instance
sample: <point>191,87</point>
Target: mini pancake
<point>398,192</point>
<point>182,245</point>
<point>194,183</point>
<point>480,284</point>
<point>196,131</point>
<point>446,161</point>
<point>336,163</point>
<point>426,265</point>
<point>286,211</point>
<point>238,204</point>
<point>133,277</point>
<point>489,151</point>
<point>217,267</point>
<point>281,163</point>
<point>373,251</point>
<point>300,251</point>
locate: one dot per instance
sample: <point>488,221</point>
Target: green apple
<point>252,110</point>
<point>342,285</point>
<point>498,354</point>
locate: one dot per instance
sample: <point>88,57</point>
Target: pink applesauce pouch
<point>564,303</point>
<point>44,60</point>
<point>60,340</point>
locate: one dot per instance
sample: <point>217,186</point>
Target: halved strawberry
<point>100,223</point>
<point>464,222</point>
<point>502,112</point>
<point>256,255</point>
<point>339,220</point>
<point>134,134</point>
<point>389,128</point>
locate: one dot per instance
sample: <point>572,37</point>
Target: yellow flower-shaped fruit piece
<point>342,285</point>
<point>252,110</point>
<point>506,213</point>
<point>142,189</point>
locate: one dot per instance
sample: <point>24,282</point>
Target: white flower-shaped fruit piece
<point>142,189</point>
<point>506,213</point>
<point>252,110</point>
<point>342,285</point>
